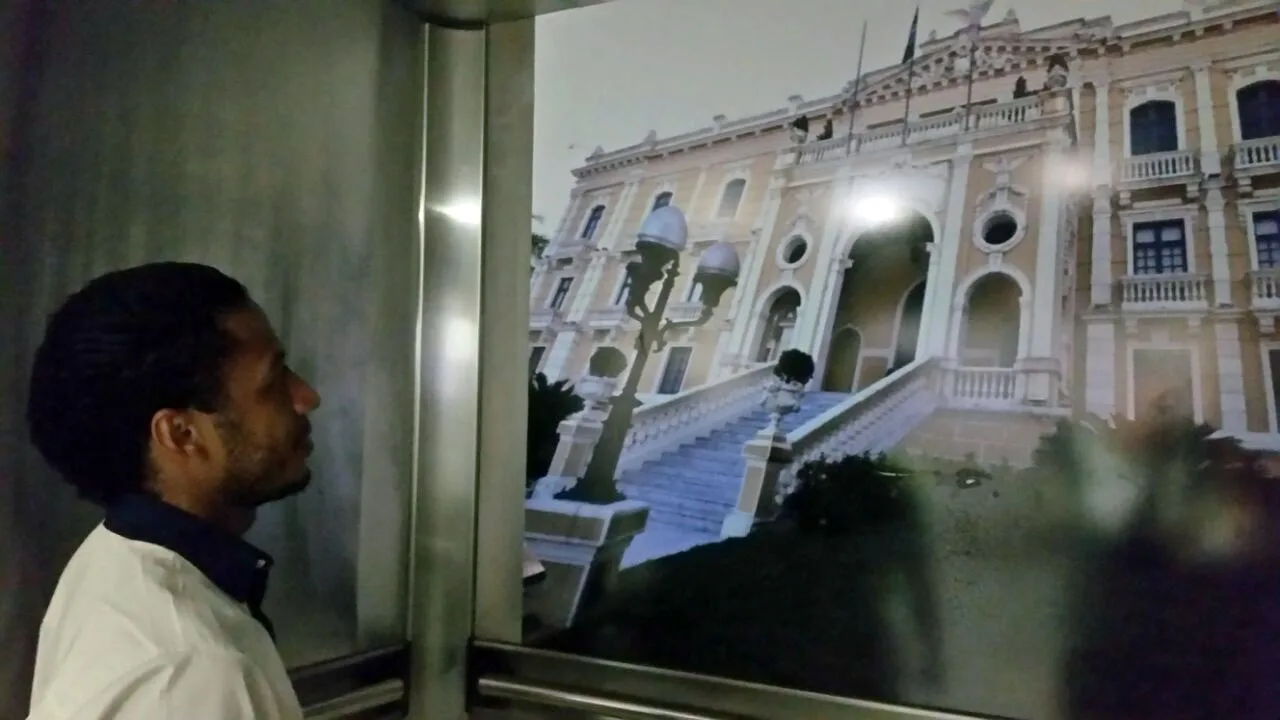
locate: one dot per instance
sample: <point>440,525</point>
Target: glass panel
<point>279,147</point>
<point>943,519</point>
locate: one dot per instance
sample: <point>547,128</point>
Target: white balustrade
<point>1158,166</point>
<point>1264,288</point>
<point>983,386</point>
<point>1183,291</point>
<point>666,423</point>
<point>872,420</point>
<point>985,117</point>
<point>1257,154</point>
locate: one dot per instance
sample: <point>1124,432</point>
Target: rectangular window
<point>674,372</point>
<point>1266,238</point>
<point>562,292</point>
<point>535,357</point>
<point>1159,248</point>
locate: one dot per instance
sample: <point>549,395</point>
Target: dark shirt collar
<point>236,567</point>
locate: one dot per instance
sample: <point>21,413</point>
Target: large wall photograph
<point>917,354</point>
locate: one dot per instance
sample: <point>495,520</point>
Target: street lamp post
<point>659,243</point>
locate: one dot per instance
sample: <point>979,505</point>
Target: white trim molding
<point>1168,88</point>
<point>1247,208</point>
<point>743,174</point>
<point>1264,351</point>
<point>1188,214</point>
<point>961,298</point>
<point>785,246</point>
<point>1197,399</point>
<point>760,312</point>
<point>899,313</point>
<point>1241,78</point>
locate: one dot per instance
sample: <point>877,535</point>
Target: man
<point>161,393</point>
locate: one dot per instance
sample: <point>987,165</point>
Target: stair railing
<point>872,420</point>
<point>662,425</point>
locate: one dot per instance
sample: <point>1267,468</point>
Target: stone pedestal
<point>767,454</point>
<point>1041,374</point>
<point>578,437</point>
<point>581,547</point>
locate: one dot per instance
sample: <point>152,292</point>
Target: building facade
<point>1097,230</point>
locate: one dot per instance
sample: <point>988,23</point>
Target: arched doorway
<point>992,319</point>
<point>779,325</point>
<point>882,295</point>
<point>908,332</point>
<point>842,363</point>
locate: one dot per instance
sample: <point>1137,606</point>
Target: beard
<point>258,474</point>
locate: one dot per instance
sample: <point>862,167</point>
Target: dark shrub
<point>607,362</point>
<point>794,366</point>
<point>549,403</point>
<point>835,497</point>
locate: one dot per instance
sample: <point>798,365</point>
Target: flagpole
<point>973,55</point>
<point>857,86</point>
<point>911,71</point>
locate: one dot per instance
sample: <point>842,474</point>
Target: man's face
<point>263,434</point>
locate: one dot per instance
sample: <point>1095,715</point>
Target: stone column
<point>1231,376</point>
<point>1100,367</point>
<point>579,434</point>
<point>928,321</point>
<point>1100,282</point>
<point>744,296</point>
<point>834,281</point>
<point>589,283</point>
<point>619,217</point>
<point>559,353</point>
<point>1219,255</point>
<point>814,317</point>
<point>569,216</point>
<point>949,251</point>
<point>1210,155</point>
<point>767,454</point>
<point>691,210</point>
<point>1041,383</point>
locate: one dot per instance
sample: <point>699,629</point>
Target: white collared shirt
<point>136,632</point>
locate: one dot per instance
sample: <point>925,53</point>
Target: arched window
<point>731,198</point>
<point>593,222</point>
<point>1259,106</point>
<point>1153,127</point>
<point>663,200</point>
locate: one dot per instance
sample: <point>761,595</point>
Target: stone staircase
<point>691,488</point>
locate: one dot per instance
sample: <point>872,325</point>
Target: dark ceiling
<point>477,12</point>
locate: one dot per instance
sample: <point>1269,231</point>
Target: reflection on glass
<point>208,133</point>
<point>953,439</point>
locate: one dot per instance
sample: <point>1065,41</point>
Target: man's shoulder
<point>124,612</point>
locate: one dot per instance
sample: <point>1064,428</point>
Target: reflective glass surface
<point>850,372</point>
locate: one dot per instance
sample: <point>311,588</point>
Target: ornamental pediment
<point>1002,49</point>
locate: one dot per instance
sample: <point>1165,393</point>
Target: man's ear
<point>176,432</point>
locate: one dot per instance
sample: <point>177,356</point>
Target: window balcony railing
<point>1264,289</point>
<point>541,318</point>
<point>981,118</point>
<point>1173,292</point>
<point>1259,154</point>
<point>1155,168</point>
<point>1250,158</point>
<point>610,317</point>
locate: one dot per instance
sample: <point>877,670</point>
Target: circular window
<point>999,229</point>
<point>793,252</point>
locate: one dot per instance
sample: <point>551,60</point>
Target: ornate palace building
<point>1098,228</point>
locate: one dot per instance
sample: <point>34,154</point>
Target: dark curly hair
<point>128,344</point>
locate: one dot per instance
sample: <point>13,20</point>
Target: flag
<point>909,53</point>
